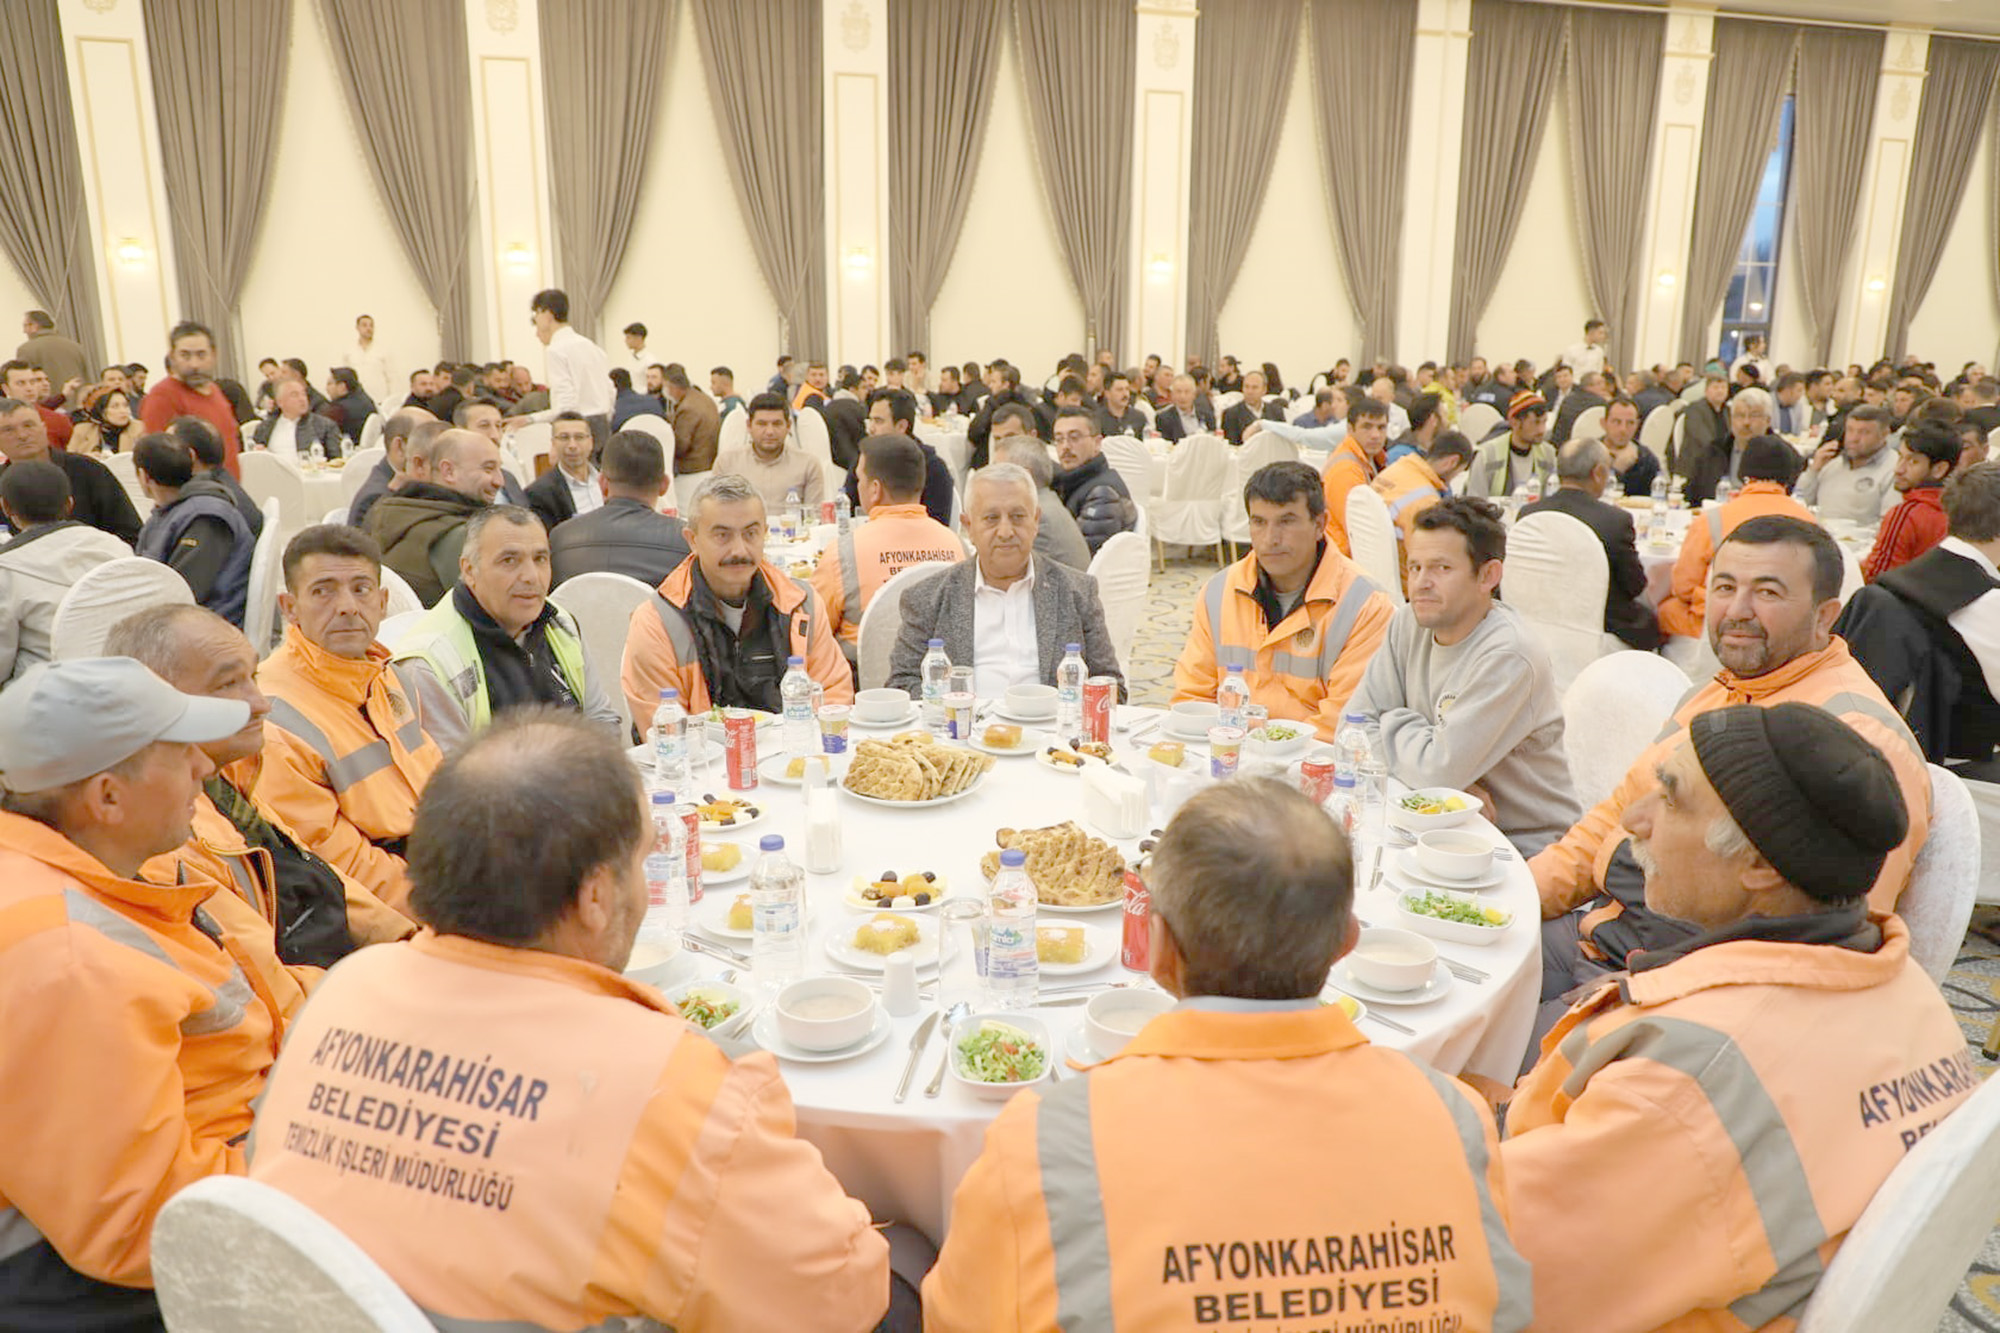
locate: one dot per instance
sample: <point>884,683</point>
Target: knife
<point>916,1049</point>
<point>695,944</point>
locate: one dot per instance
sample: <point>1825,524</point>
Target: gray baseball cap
<point>62,722</point>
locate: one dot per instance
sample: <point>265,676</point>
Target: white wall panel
<point>1541,301</point>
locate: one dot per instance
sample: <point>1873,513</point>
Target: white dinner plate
<point>1192,737</point>
<point>772,770</point>
<point>960,795</point>
<point>1001,710</point>
<point>1045,756</point>
<point>842,953</point>
<point>1332,995</point>
<point>1031,743</point>
<point>744,818</point>
<point>1435,989</point>
<point>1117,901</point>
<point>1101,944</point>
<point>713,916</point>
<point>764,1031</point>
<point>939,889</point>
<point>714,726</point>
<point>909,718</point>
<point>1405,871</point>
<point>736,873</point>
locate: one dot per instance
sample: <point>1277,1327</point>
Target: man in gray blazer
<point>1008,613</point>
<point>292,430</point>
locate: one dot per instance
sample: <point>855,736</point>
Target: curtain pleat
<point>1833,110</point>
<point>406,75</point>
<point>1614,96</point>
<point>1512,64</point>
<point>1076,60</point>
<point>44,223</point>
<point>942,55</point>
<point>601,63</point>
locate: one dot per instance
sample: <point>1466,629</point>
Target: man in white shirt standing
<point>578,371</point>
<point>1588,357</point>
<point>570,487</point>
<point>635,346</point>
<point>367,360</point>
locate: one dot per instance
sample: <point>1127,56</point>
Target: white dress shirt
<point>579,376</point>
<point>1005,651</point>
<point>1583,358</point>
<point>370,365</point>
<point>284,441</point>
<point>585,494</point>
<point>1978,622</point>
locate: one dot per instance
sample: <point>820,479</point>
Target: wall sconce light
<point>1877,285</point>
<point>1160,267</point>
<point>1756,307</point>
<point>1666,279</point>
<point>858,261</point>
<point>519,257</point>
<point>130,252</point>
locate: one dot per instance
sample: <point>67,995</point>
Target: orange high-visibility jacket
<point>1346,467</point>
<point>1304,667</point>
<point>533,1140</point>
<point>1409,486</point>
<point>1570,872</point>
<point>861,560</point>
<point>660,648</point>
<point>1686,611</point>
<point>1699,1137</point>
<point>345,757</point>
<point>140,1020</point>
<point>1237,1165</point>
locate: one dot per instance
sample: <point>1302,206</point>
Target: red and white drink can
<point>1137,954</point>
<point>691,816</point>
<point>1099,693</point>
<point>1316,777</point>
<point>827,514</point>
<point>739,746</point>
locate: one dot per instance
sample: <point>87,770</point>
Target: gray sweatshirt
<point>1485,711</point>
<point>1858,494</point>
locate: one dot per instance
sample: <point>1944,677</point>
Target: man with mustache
<point>1773,594</point>
<point>190,390</point>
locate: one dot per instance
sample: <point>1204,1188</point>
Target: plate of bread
<point>1071,870</point>
<point>913,768</point>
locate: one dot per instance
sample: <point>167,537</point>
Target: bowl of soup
<point>1113,1018</point>
<point>1392,960</point>
<point>881,705</point>
<point>825,1013</point>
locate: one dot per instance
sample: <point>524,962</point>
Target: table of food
<point>1448,968</point>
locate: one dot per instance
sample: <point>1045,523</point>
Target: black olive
<point>930,877</point>
<point>923,899</point>
<point>888,877</point>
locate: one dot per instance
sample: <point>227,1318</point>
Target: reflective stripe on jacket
<point>1335,1183</point>
<point>345,757</point>
<point>443,640</point>
<point>861,560</point>
<point>529,1139</point>
<point>1303,668</point>
<point>1699,1137</point>
<point>1409,486</point>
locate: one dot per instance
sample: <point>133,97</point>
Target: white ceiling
<point>1973,16</point>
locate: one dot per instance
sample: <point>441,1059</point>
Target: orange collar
<point>347,679</point>
<point>1749,689</point>
<point>1769,963</point>
<point>914,510</point>
<point>1286,1034</point>
<point>37,841</point>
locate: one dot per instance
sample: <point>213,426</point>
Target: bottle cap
<point>795,661</point>
<point>1072,647</point>
<point>1359,719</point>
<point>771,842</point>
<point>1235,668</point>
<point>663,798</point>
<point>936,643</point>
<point>669,693</point>
<point>1012,857</point>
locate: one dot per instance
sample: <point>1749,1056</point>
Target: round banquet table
<point>905,1160</point>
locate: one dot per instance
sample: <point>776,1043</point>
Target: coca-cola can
<point>691,816</point>
<point>739,746</point>
<point>1099,693</point>
<point>826,511</point>
<point>1137,954</point>
<point>1316,776</point>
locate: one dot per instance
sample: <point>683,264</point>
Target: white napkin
<point>1113,802</point>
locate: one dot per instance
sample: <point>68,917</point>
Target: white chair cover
<point>1371,535</point>
<point>1692,655</point>
<point>1986,803</point>
<point>371,432</point>
<point>1477,420</point>
<point>687,484</point>
<point>1225,401</point>
<point>735,430</point>
<point>355,474</point>
<point>391,631</point>
<point>120,466</point>
<point>1556,578</point>
<point>1851,578</point>
<point>875,637</point>
<point>1612,711</point>
<point>1657,431</point>
<point>809,429</point>
<point>1589,424</point>
<point>660,429</point>
<point>232,1255</point>
<point>260,610</point>
<point>1901,1262</point>
<point>535,440</point>
<point>1189,510</point>
<point>1937,905</point>
<point>336,517</point>
<point>1123,568</point>
<point>602,604</point>
<point>1134,462</point>
<point>269,477</point>
<point>402,597</point>
<point>105,596</point>
<point>1262,451</point>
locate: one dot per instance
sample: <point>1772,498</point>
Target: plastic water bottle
<point>794,513</point>
<point>1534,487</point>
<point>1232,697</point>
<point>666,874</point>
<point>1723,490</point>
<point>1341,806</point>
<point>1069,694</point>
<point>777,916</point>
<point>936,675</point>
<point>670,743</point>
<point>318,454</point>
<point>1656,522</point>
<point>1357,757</point>
<point>1013,970</point>
<point>801,722</point>
<point>842,510</point>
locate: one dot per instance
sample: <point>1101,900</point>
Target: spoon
<point>952,1018</point>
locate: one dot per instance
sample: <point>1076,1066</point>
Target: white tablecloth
<point>905,1161</point>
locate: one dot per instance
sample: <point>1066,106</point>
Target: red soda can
<point>826,511</point>
<point>691,816</point>
<point>1316,778</point>
<point>1099,693</point>
<point>739,746</point>
<point>1137,955</point>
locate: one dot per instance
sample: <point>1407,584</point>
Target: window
<point>1747,307</point>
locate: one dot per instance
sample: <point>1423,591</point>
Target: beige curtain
<point>601,63</point>
<point>1958,90</point>
<point>762,58</point>
<point>1363,52</point>
<point>1076,58</point>
<point>44,224</point>
<point>942,54</point>
<point>1832,112</point>
<point>1242,75</point>
<point>1511,69</point>
<point>218,81</point>
<point>1614,94</point>
<point>403,68</point>
<point>1746,88</point>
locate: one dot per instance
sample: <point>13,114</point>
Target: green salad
<point>705,1009</point>
<point>1277,732</point>
<point>999,1053</point>
<point>1448,907</point>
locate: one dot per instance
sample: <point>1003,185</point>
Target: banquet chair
<point>121,467</point>
<point>659,428</point>
<point>1134,463</point>
<point>391,631</point>
<point>1612,711</point>
<point>735,430</point>
<point>1556,578</point>
<point>335,517</point>
<point>402,597</point>
<point>232,1255</point>
<point>355,475</point>
<point>1905,1257</point>
<point>1477,421</point>
<point>371,432</point>
<point>1189,510</point>
<point>875,637</point>
<point>602,603</point>
<point>1260,452</point>
<point>1851,579</point>
<point>106,595</point>
<point>1657,431</point>
<point>1123,568</point>
<point>686,484</point>
<point>1371,535</point>
<point>809,430</point>
<point>1225,401</point>
<point>1986,802</point>
<point>1937,903</point>
<point>269,477</point>
<point>1589,424</point>
<point>535,440</point>
<point>1692,654</point>
<point>260,607</point>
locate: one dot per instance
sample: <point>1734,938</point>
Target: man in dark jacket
<point>1117,414</point>
<point>627,402</point>
<point>421,526</point>
<point>346,405</point>
<point>206,446</point>
<point>982,422</point>
<point>894,412</point>
<point>194,528</point>
<point>1094,494</point>
<point>627,534</point>
<point>1583,470</point>
<point>96,497</point>
<point>1590,392</point>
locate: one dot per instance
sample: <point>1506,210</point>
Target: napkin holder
<point>1113,802</point>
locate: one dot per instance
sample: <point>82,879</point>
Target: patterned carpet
<point>1973,987</point>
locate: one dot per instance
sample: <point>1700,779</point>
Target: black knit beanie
<point>1818,802</point>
